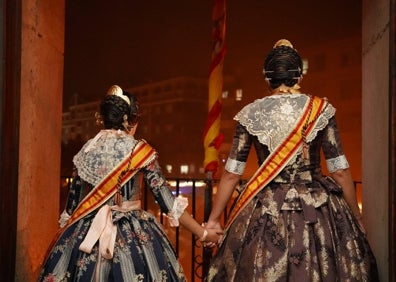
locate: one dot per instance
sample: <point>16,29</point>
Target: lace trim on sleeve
<point>322,121</point>
<point>337,163</point>
<point>179,205</point>
<point>235,166</point>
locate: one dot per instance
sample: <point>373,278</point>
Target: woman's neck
<point>283,89</point>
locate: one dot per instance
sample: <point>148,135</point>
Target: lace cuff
<point>64,218</point>
<point>235,166</point>
<point>337,163</point>
<point>179,206</point>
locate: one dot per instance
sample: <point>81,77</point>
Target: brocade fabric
<point>142,251</point>
<point>298,227</point>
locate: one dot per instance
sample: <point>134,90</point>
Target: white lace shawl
<point>102,154</point>
<point>272,118</point>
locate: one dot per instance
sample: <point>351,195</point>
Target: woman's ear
<point>132,131</point>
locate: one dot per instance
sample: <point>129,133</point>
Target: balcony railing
<point>194,258</point>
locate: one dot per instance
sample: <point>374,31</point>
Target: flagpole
<point>212,137</point>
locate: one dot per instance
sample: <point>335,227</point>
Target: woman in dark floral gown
<point>290,222</point>
<point>106,236</point>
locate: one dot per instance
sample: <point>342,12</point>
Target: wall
<point>375,127</point>
<point>40,132</point>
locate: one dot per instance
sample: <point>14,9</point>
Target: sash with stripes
<point>142,154</point>
<point>279,158</point>
<point>102,192</point>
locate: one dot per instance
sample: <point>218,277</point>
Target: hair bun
<point>117,91</point>
<point>283,42</point>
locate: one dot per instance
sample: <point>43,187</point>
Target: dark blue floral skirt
<point>142,252</point>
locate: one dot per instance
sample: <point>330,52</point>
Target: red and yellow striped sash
<point>108,186</point>
<point>279,158</point>
<point>141,155</point>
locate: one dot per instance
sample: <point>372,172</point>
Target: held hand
<point>216,233</point>
<point>213,225</point>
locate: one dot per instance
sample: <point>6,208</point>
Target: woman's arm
<point>338,166</point>
<point>206,235</point>
<point>175,207</point>
<point>235,166</point>
<point>344,178</point>
<point>225,189</point>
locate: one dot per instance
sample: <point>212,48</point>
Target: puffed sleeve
<point>162,192</point>
<point>332,148</point>
<point>239,153</point>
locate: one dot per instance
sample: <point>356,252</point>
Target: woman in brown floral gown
<point>290,222</point>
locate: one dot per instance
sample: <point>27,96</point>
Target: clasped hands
<point>214,234</point>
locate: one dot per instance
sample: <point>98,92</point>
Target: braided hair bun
<point>117,106</point>
<point>283,65</point>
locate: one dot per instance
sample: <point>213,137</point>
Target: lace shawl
<point>273,118</point>
<point>100,155</point>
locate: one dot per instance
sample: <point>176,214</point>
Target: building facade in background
<point>173,111</point>
<point>173,116</point>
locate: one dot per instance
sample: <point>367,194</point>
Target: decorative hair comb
<point>283,42</point>
<point>116,90</point>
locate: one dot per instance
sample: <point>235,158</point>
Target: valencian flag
<point>212,137</point>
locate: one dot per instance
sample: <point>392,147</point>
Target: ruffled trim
<point>100,155</point>
<point>63,219</point>
<point>322,121</point>
<point>179,205</point>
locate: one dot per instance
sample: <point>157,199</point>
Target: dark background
<point>132,42</point>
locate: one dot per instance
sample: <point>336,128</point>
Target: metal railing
<point>194,258</point>
<point>199,192</point>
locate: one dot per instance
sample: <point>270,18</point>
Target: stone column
<point>376,129</point>
<point>41,91</point>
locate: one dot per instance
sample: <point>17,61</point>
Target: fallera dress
<point>298,227</point>
<point>142,251</point>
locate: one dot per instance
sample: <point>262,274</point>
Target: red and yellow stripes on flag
<point>212,137</point>
<point>278,159</point>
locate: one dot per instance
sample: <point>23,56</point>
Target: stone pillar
<point>40,132</point>
<point>376,130</point>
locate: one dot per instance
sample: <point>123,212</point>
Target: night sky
<point>131,42</point>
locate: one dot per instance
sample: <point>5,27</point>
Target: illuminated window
<point>305,66</point>
<point>192,168</point>
<point>184,169</point>
<point>224,95</point>
<point>168,168</point>
<point>238,95</point>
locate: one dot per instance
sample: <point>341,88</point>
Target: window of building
<point>305,66</point>
<point>184,169</point>
<point>238,95</point>
<point>192,168</point>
